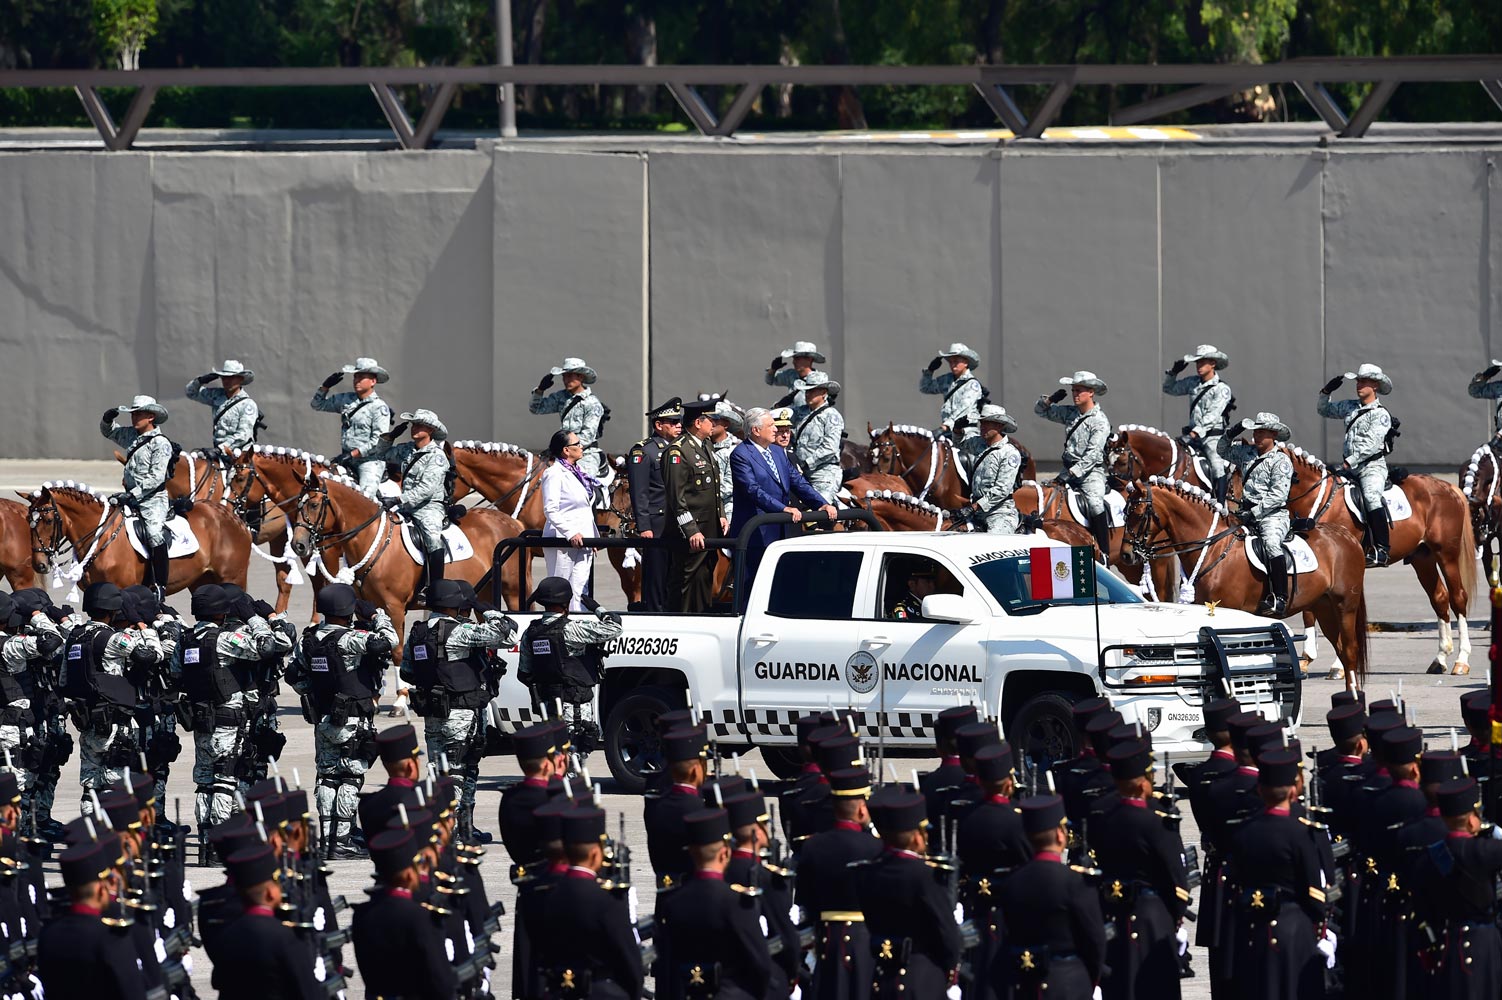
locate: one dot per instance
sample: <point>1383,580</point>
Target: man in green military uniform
<point>644,475</point>
<point>691,478</point>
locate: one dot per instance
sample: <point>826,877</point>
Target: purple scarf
<point>590,485</point>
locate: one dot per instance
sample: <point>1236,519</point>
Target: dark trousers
<point>691,574</point>
<point>656,567</point>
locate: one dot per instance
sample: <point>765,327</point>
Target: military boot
<point>1380,528</point>
<point>1275,604</point>
<point>1100,527</point>
<point>158,569</point>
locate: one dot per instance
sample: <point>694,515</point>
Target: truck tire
<point>1043,728</point>
<point>632,747</point>
<point>784,762</point>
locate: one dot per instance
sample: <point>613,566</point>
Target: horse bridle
<point>315,529</point>
<point>1142,542</point>
<point>53,518</point>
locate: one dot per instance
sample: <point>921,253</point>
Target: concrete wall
<point>675,271</point>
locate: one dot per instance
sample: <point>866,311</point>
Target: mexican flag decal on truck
<point>1062,572</point>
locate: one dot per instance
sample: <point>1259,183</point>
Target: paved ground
<point>1397,659</point>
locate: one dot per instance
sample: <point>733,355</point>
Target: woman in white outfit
<point>568,512</point>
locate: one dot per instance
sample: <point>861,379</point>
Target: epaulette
<point>748,891</point>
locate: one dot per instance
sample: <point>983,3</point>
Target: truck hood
<point>1120,623</point>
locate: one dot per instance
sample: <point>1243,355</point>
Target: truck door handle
<point>765,637</point>
<point>876,640</point>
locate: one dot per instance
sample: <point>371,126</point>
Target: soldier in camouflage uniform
<point>1482,387</point>
<point>148,454</point>
<point>728,419</point>
<point>1209,405</point>
<point>97,656</point>
<point>25,637</point>
<point>363,418</point>
<point>445,664</point>
<point>995,477</point>
<point>802,356</point>
<point>818,435</point>
<point>55,743</point>
<point>220,657</point>
<point>581,411</point>
<point>1089,429</point>
<point>962,394</point>
<point>236,415</point>
<point>1266,477</point>
<point>157,684</point>
<point>1367,424</point>
<point>334,675</point>
<point>423,503</point>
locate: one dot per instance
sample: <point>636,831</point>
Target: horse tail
<point>1362,641</point>
<point>1467,556</point>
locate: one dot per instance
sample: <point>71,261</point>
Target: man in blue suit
<point>766,482</point>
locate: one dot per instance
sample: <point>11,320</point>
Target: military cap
<point>270,812</point>
<point>782,416</point>
<point>707,826</point>
<point>670,410</point>
<point>266,788</point>
<point>534,742</point>
<point>1348,697</point>
<point>423,417</point>
<point>295,804</point>
<point>1242,723</point>
<point>139,603</point>
<point>336,599</point>
<point>679,718</point>
<point>102,596</point>
<point>685,744</point>
<point>1459,797</point>
<point>1440,766</point>
<point>746,809</point>
<point>551,590</point>
<point>1268,748</point>
<point>10,788</point>
<point>1127,732</point>
<point>701,407</point>
<point>1278,768</point>
<point>233,834</point>
<point>851,783</point>
<point>446,795</point>
<point>837,753</point>
<point>1217,712</point>
<point>86,828</point>
<point>729,785</point>
<point>826,731</point>
<point>951,720</point>
<point>1346,722</point>
<point>397,743</point>
<point>1098,730</point>
<point>973,737</point>
<point>393,851</point>
<point>1383,706</point>
<point>584,825</point>
<point>1476,708</point>
<point>1264,737</point>
<point>547,819</point>
<point>367,366</point>
<point>807,725</point>
<point>86,863</point>
<point>1131,759</point>
<point>209,601</point>
<point>252,866</point>
<point>422,822</point>
<point>561,739</point>
<point>1402,745</point>
<point>894,809</point>
<point>447,595</point>
<point>1378,724</point>
<point>994,763</point>
<point>1041,813</point>
<point>120,808</point>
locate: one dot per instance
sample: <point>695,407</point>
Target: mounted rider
<point>363,418</point>
<point>237,417</point>
<point>148,461</point>
<point>996,471</point>
<point>1085,440</point>
<point>962,394</point>
<point>423,503</point>
<point>1266,478</point>
<point>1369,430</point>
<point>803,355</point>
<point>580,410</point>
<point>1482,387</point>
<point>817,436</point>
<point>1211,401</point>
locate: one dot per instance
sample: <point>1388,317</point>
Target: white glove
<point>959,913</point>
<point>1183,938</point>
<point>953,993</point>
<point>399,706</point>
<point>1326,947</point>
<point>1096,994</point>
<point>1497,832</point>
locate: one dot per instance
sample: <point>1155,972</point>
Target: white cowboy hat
<point>993,414</point>
<point>730,413</point>
<point>1087,379</point>
<point>149,404</point>
<point>235,368</point>
<point>960,350</point>
<point>1265,421</point>
<point>817,380</point>
<point>1371,371</point>
<point>575,365</point>
<point>428,419</point>
<point>367,365</point>
<point>1210,353</point>
<point>803,347</point>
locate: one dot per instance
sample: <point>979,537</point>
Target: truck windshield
<point>1007,575</point>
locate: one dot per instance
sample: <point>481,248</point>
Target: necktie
<point>767,454</point>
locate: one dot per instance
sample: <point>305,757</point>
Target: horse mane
<point>1144,428</point>
<point>1307,457</point>
<point>287,454</point>
<point>492,447</point>
<point>904,500</point>
<point>72,488</point>
<point>1191,492</point>
<point>912,430</point>
<point>344,479</point>
<point>1472,467</point>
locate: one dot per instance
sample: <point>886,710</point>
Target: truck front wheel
<point>1043,728</point>
<point>632,747</point>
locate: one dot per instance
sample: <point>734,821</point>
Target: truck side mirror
<point>955,609</point>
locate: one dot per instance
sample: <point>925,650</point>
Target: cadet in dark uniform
<point>587,948</point>
<point>810,775</point>
<point>990,844</point>
<point>692,510</point>
<point>220,906</point>
<point>537,752</point>
<point>399,948</point>
<point>533,883</point>
<point>1143,884</point>
<point>78,957</point>
<point>1056,942</point>
<point>707,929</point>
<point>939,785</point>
<point>259,957</point>
<point>1455,883</point>
<point>828,895</point>
<point>813,811</point>
<point>748,829</point>
<point>915,942</point>
<point>970,740</point>
<point>1281,901</point>
<point>399,750</point>
<point>685,751</point>
<point>649,499</point>
<point>1086,764</point>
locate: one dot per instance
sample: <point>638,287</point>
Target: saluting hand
<point>333,380</point>
<point>1057,395</point>
<point>1332,385</point>
<point>933,365</point>
<point>545,384</point>
<point>1178,366</point>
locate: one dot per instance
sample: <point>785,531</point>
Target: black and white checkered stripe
<point>726,725</point>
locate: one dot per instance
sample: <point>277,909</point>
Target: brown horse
<point>898,511</point>
<point>71,515</point>
<point>1051,503</point>
<point>1436,539</point>
<point>1481,482</point>
<point>1211,549</point>
<point>1136,452</point>
<point>15,546</point>
<point>929,464</point>
<point>332,512</point>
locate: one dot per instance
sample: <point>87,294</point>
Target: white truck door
<point>794,644</point>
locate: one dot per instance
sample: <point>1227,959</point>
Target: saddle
<point>1115,508</point>
<point>1298,556</point>
<point>180,538</point>
<point>456,546</point>
<point>1393,498</point>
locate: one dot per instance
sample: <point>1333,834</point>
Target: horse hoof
<point>1460,669</point>
<point>1435,667</point>
<point>1305,662</point>
<point>1335,674</point>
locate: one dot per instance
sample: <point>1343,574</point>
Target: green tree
<point>123,27</point>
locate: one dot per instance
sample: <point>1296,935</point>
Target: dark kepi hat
<point>1086,709</point>
<point>552,590</point>
<point>701,407</point>
<point>973,737</point>
<point>102,596</point>
<point>447,594</point>
<point>1132,759</point>
<point>851,783</point>
<point>252,866</point>
<point>826,731</point>
<point>746,809</point>
<point>1217,712</point>
<point>837,753</point>
<point>1402,745</point>
<point>1127,732</point>
<point>120,808</point>
<point>393,851</point>
<point>1380,707</point>
<point>10,788</point>
<point>142,786</point>
<point>952,719</point>
<point>1098,730</point>
<point>1242,723</point>
<point>584,825</point>
<point>295,804</point>
<point>1379,724</point>
<point>265,789</point>
<point>234,834</point>
<point>270,812</point>
<point>534,742</point>
<point>1459,797</point>
<point>547,819</point>
<point>727,785</point>
<point>397,744</point>
<point>894,810</point>
<point>86,863</point>
<point>670,410</point>
<point>1264,737</point>
<point>1346,722</point>
<point>422,822</point>
<point>807,725</point>
<point>209,601</point>
<point>1042,812</point>
<point>1348,697</point>
<point>1278,768</point>
<point>685,744</point>
<point>678,718</point>
<point>707,826</point>
<point>1476,708</point>
<point>336,599</point>
<point>1440,766</point>
<point>994,763</point>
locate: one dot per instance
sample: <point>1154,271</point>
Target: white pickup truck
<point>819,630</point>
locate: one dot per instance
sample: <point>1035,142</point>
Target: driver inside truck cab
<point>908,580</point>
